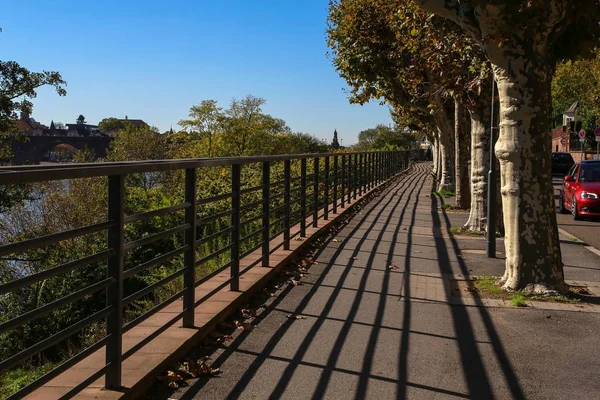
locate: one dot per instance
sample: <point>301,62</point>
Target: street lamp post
<point>491,194</point>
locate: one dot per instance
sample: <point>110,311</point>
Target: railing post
<point>316,192</point>
<point>236,173</point>
<point>189,277</point>
<point>287,176</point>
<point>114,293</point>
<point>266,212</point>
<point>355,176</point>
<point>343,179</point>
<point>361,173</point>
<point>303,197</point>
<point>380,157</point>
<point>335,184</point>
<point>326,191</point>
<point>349,179</point>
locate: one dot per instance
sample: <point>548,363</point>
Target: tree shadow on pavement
<point>474,369</point>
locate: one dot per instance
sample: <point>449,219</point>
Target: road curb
<point>590,248</point>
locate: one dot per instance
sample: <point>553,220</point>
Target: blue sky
<point>154,59</point>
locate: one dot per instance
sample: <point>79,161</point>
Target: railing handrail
<point>37,173</point>
<point>352,174</point>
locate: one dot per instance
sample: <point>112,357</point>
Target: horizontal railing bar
<point>277,221</point>
<point>251,189</point>
<point>152,311</point>
<point>214,198</point>
<point>248,236</point>
<point>213,217</point>
<point>155,261</point>
<point>250,205</point>
<point>281,207</point>
<point>212,274</point>
<point>53,238</point>
<point>153,238</point>
<point>274,249</point>
<point>250,220</point>
<point>211,293</point>
<point>52,272</point>
<point>277,183</point>
<point>150,288</point>
<point>249,267</point>
<point>47,308</point>
<point>276,234</point>
<point>155,213</point>
<point>52,340</point>
<point>278,195</point>
<point>213,236</point>
<point>151,336</point>
<point>249,251</point>
<point>60,369</point>
<point>213,255</point>
<point>26,173</point>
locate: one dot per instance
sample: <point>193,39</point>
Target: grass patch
<point>16,379</point>
<point>445,193</point>
<point>488,287</point>
<point>573,239</point>
<point>448,206</point>
<point>457,230</point>
<point>518,300</point>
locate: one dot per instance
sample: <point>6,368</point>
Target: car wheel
<point>561,204</point>
<point>574,212</point>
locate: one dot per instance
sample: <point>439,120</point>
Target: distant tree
<point>17,86</point>
<point>204,119</point>
<point>112,125</point>
<point>384,137</point>
<point>81,120</point>
<point>59,125</point>
<point>577,81</point>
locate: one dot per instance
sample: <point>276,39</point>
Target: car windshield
<point>590,173</point>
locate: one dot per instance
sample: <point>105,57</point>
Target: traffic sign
<point>582,133</point>
<point>598,122</point>
<point>597,131</point>
<point>564,134</point>
<point>563,141</point>
<point>597,138</point>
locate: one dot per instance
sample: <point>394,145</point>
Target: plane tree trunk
<point>523,61</point>
<point>480,161</point>
<point>461,153</point>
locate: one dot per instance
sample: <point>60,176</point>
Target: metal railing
<point>292,200</point>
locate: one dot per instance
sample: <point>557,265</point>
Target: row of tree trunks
<point>461,153</point>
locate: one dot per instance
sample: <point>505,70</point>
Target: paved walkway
<point>382,323</point>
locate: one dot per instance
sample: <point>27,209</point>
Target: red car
<point>581,190</point>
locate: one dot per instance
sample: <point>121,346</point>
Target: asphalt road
<point>586,230</point>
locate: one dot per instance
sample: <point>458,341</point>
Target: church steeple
<point>335,144</point>
<point>52,127</point>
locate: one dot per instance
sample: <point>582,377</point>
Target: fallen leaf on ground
<point>225,338</point>
<point>393,266</point>
<point>354,258</point>
<point>417,251</point>
<point>170,377</point>
<point>295,316</point>
<point>583,291</point>
<point>247,313</point>
<point>173,385</point>
<point>335,240</point>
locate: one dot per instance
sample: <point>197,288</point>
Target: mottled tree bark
<point>523,63</point>
<point>446,143</point>
<point>461,168</point>
<point>480,165</point>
